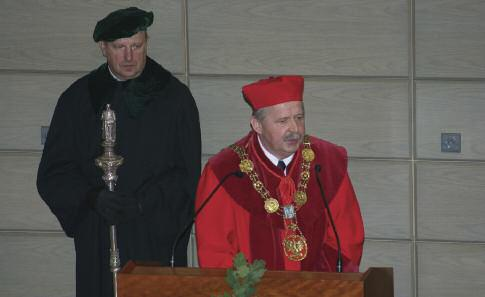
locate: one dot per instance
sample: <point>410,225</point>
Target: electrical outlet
<point>43,134</point>
<point>451,142</point>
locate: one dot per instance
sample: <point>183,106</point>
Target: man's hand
<point>116,207</point>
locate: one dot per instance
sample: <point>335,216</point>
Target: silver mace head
<point>109,161</point>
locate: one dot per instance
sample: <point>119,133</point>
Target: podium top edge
<point>150,268</point>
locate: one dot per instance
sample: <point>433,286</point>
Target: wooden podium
<point>149,280</point>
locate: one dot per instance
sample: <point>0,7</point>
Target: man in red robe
<point>276,210</point>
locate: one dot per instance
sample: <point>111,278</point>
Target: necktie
<point>281,165</point>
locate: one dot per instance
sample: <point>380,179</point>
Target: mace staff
<point>110,162</point>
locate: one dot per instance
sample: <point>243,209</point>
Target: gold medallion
<point>271,205</point>
<point>300,198</point>
<point>295,247</point>
<point>246,166</point>
<point>308,154</point>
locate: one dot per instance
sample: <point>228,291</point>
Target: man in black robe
<point>158,135</point>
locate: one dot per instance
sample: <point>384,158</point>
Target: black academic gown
<point>158,135</point>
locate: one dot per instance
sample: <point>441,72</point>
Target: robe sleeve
<point>348,222</point>
<point>177,186</point>
<point>215,225</point>
<point>189,145</point>
<point>60,181</point>
<point>189,148</point>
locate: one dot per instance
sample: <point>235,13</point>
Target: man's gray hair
<point>261,113</point>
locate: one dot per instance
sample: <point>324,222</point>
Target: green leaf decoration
<point>239,260</point>
<point>244,277</point>
<point>242,271</point>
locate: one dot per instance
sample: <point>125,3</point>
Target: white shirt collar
<point>273,158</point>
<point>114,76</point>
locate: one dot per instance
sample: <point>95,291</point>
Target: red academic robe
<point>235,219</point>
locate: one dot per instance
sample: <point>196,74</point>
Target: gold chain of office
<point>294,242</point>
<point>271,205</point>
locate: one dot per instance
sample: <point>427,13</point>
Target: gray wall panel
<point>224,115</point>
<point>450,38</point>
<point>28,102</point>
<point>450,270</point>
<point>306,37</point>
<point>20,205</point>
<point>36,265</point>
<point>383,191</point>
<point>370,118</point>
<point>53,35</point>
<point>192,259</point>
<point>456,107</point>
<point>391,254</point>
<point>204,160</point>
<point>450,201</point>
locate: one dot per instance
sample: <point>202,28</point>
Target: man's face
<point>126,56</point>
<point>282,128</point>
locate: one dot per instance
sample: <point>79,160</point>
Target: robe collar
<point>272,157</point>
<point>257,151</point>
<point>136,93</point>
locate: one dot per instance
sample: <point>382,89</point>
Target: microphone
<point>238,174</point>
<point>322,193</point>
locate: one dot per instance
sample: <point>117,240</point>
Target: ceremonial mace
<point>110,162</point>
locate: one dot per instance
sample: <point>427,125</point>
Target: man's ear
<point>256,125</point>
<point>102,47</point>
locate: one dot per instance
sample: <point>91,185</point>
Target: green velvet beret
<point>122,23</point>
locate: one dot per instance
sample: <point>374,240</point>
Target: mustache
<point>292,136</point>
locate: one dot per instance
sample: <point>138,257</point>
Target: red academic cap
<point>273,90</point>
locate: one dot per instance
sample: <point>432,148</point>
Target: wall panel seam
<point>412,108</point>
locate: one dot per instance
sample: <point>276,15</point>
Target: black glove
<point>115,207</point>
